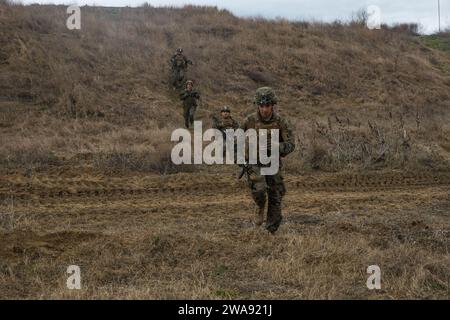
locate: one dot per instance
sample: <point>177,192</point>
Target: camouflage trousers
<point>178,78</point>
<point>271,188</point>
<point>188,113</point>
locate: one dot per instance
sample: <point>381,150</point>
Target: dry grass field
<point>159,237</point>
<point>86,177</point>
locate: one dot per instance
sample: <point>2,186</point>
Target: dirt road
<point>189,236</point>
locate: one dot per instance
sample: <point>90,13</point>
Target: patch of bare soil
<point>190,236</point>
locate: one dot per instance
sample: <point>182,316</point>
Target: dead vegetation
<point>7,216</point>
<point>84,91</point>
<point>388,141</point>
<point>185,236</point>
<point>85,124</point>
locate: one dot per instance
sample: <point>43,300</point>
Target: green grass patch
<point>440,41</point>
<point>227,294</point>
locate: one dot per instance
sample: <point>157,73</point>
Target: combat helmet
<point>189,82</point>
<point>226,109</point>
<point>265,95</point>
<point>179,50</point>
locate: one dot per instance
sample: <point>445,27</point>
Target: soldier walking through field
<point>225,121</point>
<point>179,64</point>
<point>190,98</point>
<point>269,188</point>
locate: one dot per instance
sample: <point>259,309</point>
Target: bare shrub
<point>360,17</point>
<point>7,221</point>
<point>8,217</point>
<point>28,156</point>
<point>342,143</point>
<point>347,147</point>
<point>140,161</point>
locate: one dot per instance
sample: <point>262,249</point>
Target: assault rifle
<point>244,169</point>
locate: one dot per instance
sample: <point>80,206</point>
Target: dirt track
<point>64,185</point>
<point>189,235</point>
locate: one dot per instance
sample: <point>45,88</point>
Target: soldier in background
<point>223,123</point>
<point>226,121</point>
<point>179,64</point>
<point>190,98</point>
<point>271,187</point>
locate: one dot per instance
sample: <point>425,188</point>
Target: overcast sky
<point>421,11</point>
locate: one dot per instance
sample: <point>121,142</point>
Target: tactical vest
<point>179,61</point>
<point>255,122</point>
<point>226,124</point>
<point>190,99</point>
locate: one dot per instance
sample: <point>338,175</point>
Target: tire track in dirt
<point>47,188</point>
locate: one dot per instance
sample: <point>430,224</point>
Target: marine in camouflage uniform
<point>190,99</point>
<point>179,64</point>
<point>226,121</point>
<point>269,187</point>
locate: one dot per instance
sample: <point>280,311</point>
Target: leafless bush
<point>343,143</point>
<point>7,3</point>
<point>360,17</point>
<point>28,156</point>
<point>8,218</point>
<point>145,161</point>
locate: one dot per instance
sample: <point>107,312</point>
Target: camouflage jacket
<point>179,61</point>
<point>223,124</point>
<point>190,97</point>
<point>286,136</point>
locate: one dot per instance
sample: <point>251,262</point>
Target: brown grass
<point>85,124</point>
<point>111,78</point>
<point>196,241</point>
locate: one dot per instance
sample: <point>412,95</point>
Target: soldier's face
<point>189,87</point>
<point>225,115</point>
<point>265,110</point>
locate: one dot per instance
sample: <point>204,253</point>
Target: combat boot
<point>259,216</point>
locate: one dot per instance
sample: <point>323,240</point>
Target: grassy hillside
<point>102,92</point>
<point>85,124</point>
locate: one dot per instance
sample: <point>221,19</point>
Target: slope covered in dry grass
<point>103,90</point>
